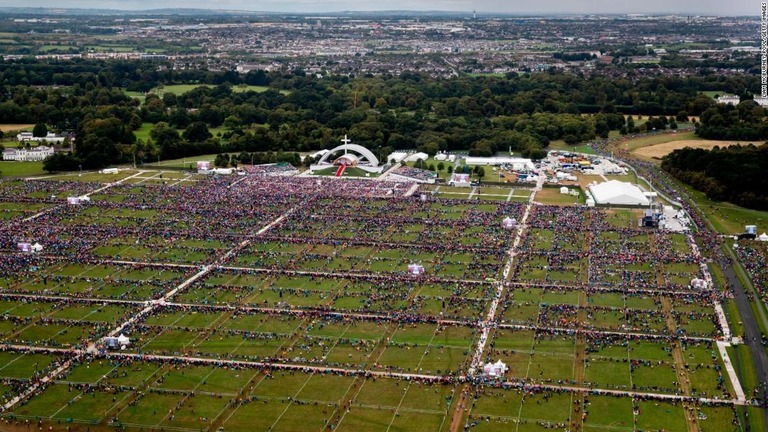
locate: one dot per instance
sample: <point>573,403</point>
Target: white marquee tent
<point>495,370</point>
<point>615,192</point>
<point>416,156</point>
<point>698,283</point>
<point>415,269</point>
<point>509,223</point>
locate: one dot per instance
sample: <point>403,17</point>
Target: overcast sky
<point>695,7</point>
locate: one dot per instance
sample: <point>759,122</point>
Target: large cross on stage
<point>346,141</point>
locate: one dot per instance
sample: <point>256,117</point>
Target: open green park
<point>179,89</point>
<point>291,307</point>
<point>726,218</point>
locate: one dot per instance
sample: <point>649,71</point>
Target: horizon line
<point>52,9</point>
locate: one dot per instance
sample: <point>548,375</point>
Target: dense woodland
<point>300,112</point>
<point>745,122</point>
<point>735,174</point>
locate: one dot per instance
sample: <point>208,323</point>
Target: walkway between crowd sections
<point>477,357</point>
<point>99,190</point>
<point>149,308</point>
<point>721,347</point>
<point>188,178</point>
<point>412,190</point>
<point>522,384</point>
<point>371,276</point>
<point>152,175</point>
<point>41,383</point>
<point>242,179</point>
<point>727,336</point>
<point>202,273</point>
<point>370,316</point>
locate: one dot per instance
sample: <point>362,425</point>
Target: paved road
<point>752,335</point>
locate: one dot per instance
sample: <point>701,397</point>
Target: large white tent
<point>495,370</point>
<point>416,156</point>
<point>615,192</point>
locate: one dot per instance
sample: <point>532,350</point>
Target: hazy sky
<point>700,7</point>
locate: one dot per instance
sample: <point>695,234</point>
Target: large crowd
<point>342,214</point>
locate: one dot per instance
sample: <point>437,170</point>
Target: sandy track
<point>661,150</point>
<point>11,127</point>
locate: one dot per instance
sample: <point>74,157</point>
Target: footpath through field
<point>52,375</point>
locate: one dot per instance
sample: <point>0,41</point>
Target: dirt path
<point>579,368</point>
<point>349,397</point>
<point>691,416</point>
<point>459,417</point>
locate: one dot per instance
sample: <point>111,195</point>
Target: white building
<point>26,155</point>
<point>618,193</point>
<point>729,100</point>
<point>50,138</point>
<point>417,156</point>
<point>397,157</point>
<point>517,164</point>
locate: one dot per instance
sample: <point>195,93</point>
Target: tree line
<point>745,122</point>
<point>300,112</point>
<point>735,174</point>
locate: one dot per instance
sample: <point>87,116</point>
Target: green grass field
<point>649,140</point>
<point>713,94</point>
<point>179,89</point>
<point>552,196</point>
<point>269,301</point>
<point>21,169</point>
<point>727,218</point>
<point>562,146</point>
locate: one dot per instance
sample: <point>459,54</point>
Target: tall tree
<point>40,130</point>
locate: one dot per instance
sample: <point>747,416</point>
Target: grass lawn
<point>142,133</point>
<point>21,169</point>
<point>136,95</point>
<point>744,366</point>
<point>649,140</point>
<point>22,366</point>
<point>713,93</point>
<point>550,195</point>
<point>661,415</point>
<point>608,413</point>
<point>561,145</point>
<point>179,89</point>
<point>59,402</point>
<point>183,163</point>
<point>725,217</point>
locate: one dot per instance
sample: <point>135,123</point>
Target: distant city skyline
<point>687,7</point>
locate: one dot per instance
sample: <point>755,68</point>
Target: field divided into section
<point>285,303</point>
